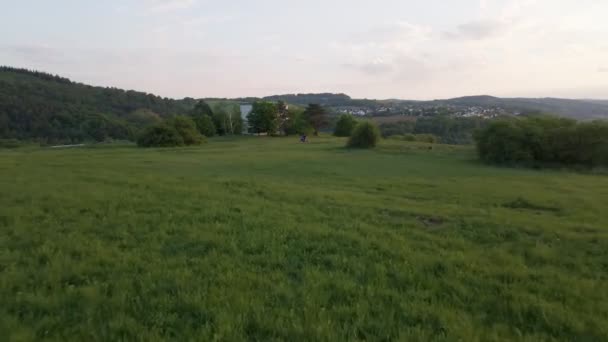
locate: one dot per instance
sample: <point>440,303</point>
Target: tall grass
<point>270,239</point>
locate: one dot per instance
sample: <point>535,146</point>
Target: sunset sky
<point>376,49</point>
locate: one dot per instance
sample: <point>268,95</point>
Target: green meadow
<point>267,239</point>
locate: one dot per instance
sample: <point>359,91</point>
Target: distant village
<point>425,110</point>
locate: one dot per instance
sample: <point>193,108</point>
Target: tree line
<point>278,118</point>
<point>49,109</point>
<point>447,129</point>
<point>544,140</point>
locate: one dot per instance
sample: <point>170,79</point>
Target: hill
<point>39,106</point>
<point>48,108</point>
<point>576,109</point>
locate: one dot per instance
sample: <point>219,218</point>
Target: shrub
<point>426,138</point>
<point>409,137</point>
<point>365,135</point>
<point>396,137</point>
<point>187,129</point>
<point>161,135</point>
<point>205,125</point>
<point>544,140</point>
<point>345,125</point>
<point>397,128</point>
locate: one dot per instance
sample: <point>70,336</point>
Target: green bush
<point>409,137</point>
<point>544,141</point>
<point>187,129</point>
<point>345,125</point>
<point>205,125</point>
<point>397,128</point>
<point>426,138</point>
<point>161,135</point>
<point>365,135</point>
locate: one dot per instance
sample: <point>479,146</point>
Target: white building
<point>245,110</point>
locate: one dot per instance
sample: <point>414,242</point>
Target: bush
<point>426,138</point>
<point>365,135</point>
<point>544,140</point>
<point>396,137</point>
<point>187,129</point>
<point>161,135</point>
<point>409,137</point>
<point>397,128</point>
<point>345,125</point>
<point>205,125</point>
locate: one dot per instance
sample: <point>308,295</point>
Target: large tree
<point>202,108</point>
<point>203,117</point>
<point>264,118</point>
<point>345,125</point>
<point>316,115</point>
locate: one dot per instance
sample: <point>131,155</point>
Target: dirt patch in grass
<point>522,203</point>
<point>431,222</point>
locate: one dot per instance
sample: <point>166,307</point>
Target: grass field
<point>267,239</point>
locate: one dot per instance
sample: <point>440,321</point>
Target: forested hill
<point>576,109</point>
<point>325,99</point>
<point>53,109</point>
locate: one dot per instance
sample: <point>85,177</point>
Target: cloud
<point>374,67</point>
<point>397,68</point>
<point>477,30</point>
<point>403,32</point>
<point>161,6</point>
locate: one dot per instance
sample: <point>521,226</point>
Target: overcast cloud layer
<point>375,49</point>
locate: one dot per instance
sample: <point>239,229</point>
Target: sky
<point>406,49</point>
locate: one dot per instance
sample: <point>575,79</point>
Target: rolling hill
<point>47,108</point>
<point>576,109</point>
<point>40,106</point>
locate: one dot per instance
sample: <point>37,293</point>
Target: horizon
<point>386,50</point>
<point>307,93</point>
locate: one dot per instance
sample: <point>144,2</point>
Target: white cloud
<point>478,30</point>
<point>160,6</point>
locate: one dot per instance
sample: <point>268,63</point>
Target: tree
<point>544,140</point>
<point>205,125</point>
<point>201,108</point>
<point>283,116</point>
<point>502,142</point>
<point>365,135</point>
<point>187,129</point>
<point>297,123</point>
<point>345,125</point>
<point>203,117</point>
<point>220,120</point>
<point>397,128</point>
<point>51,109</point>
<point>263,118</point>
<point>317,117</point>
